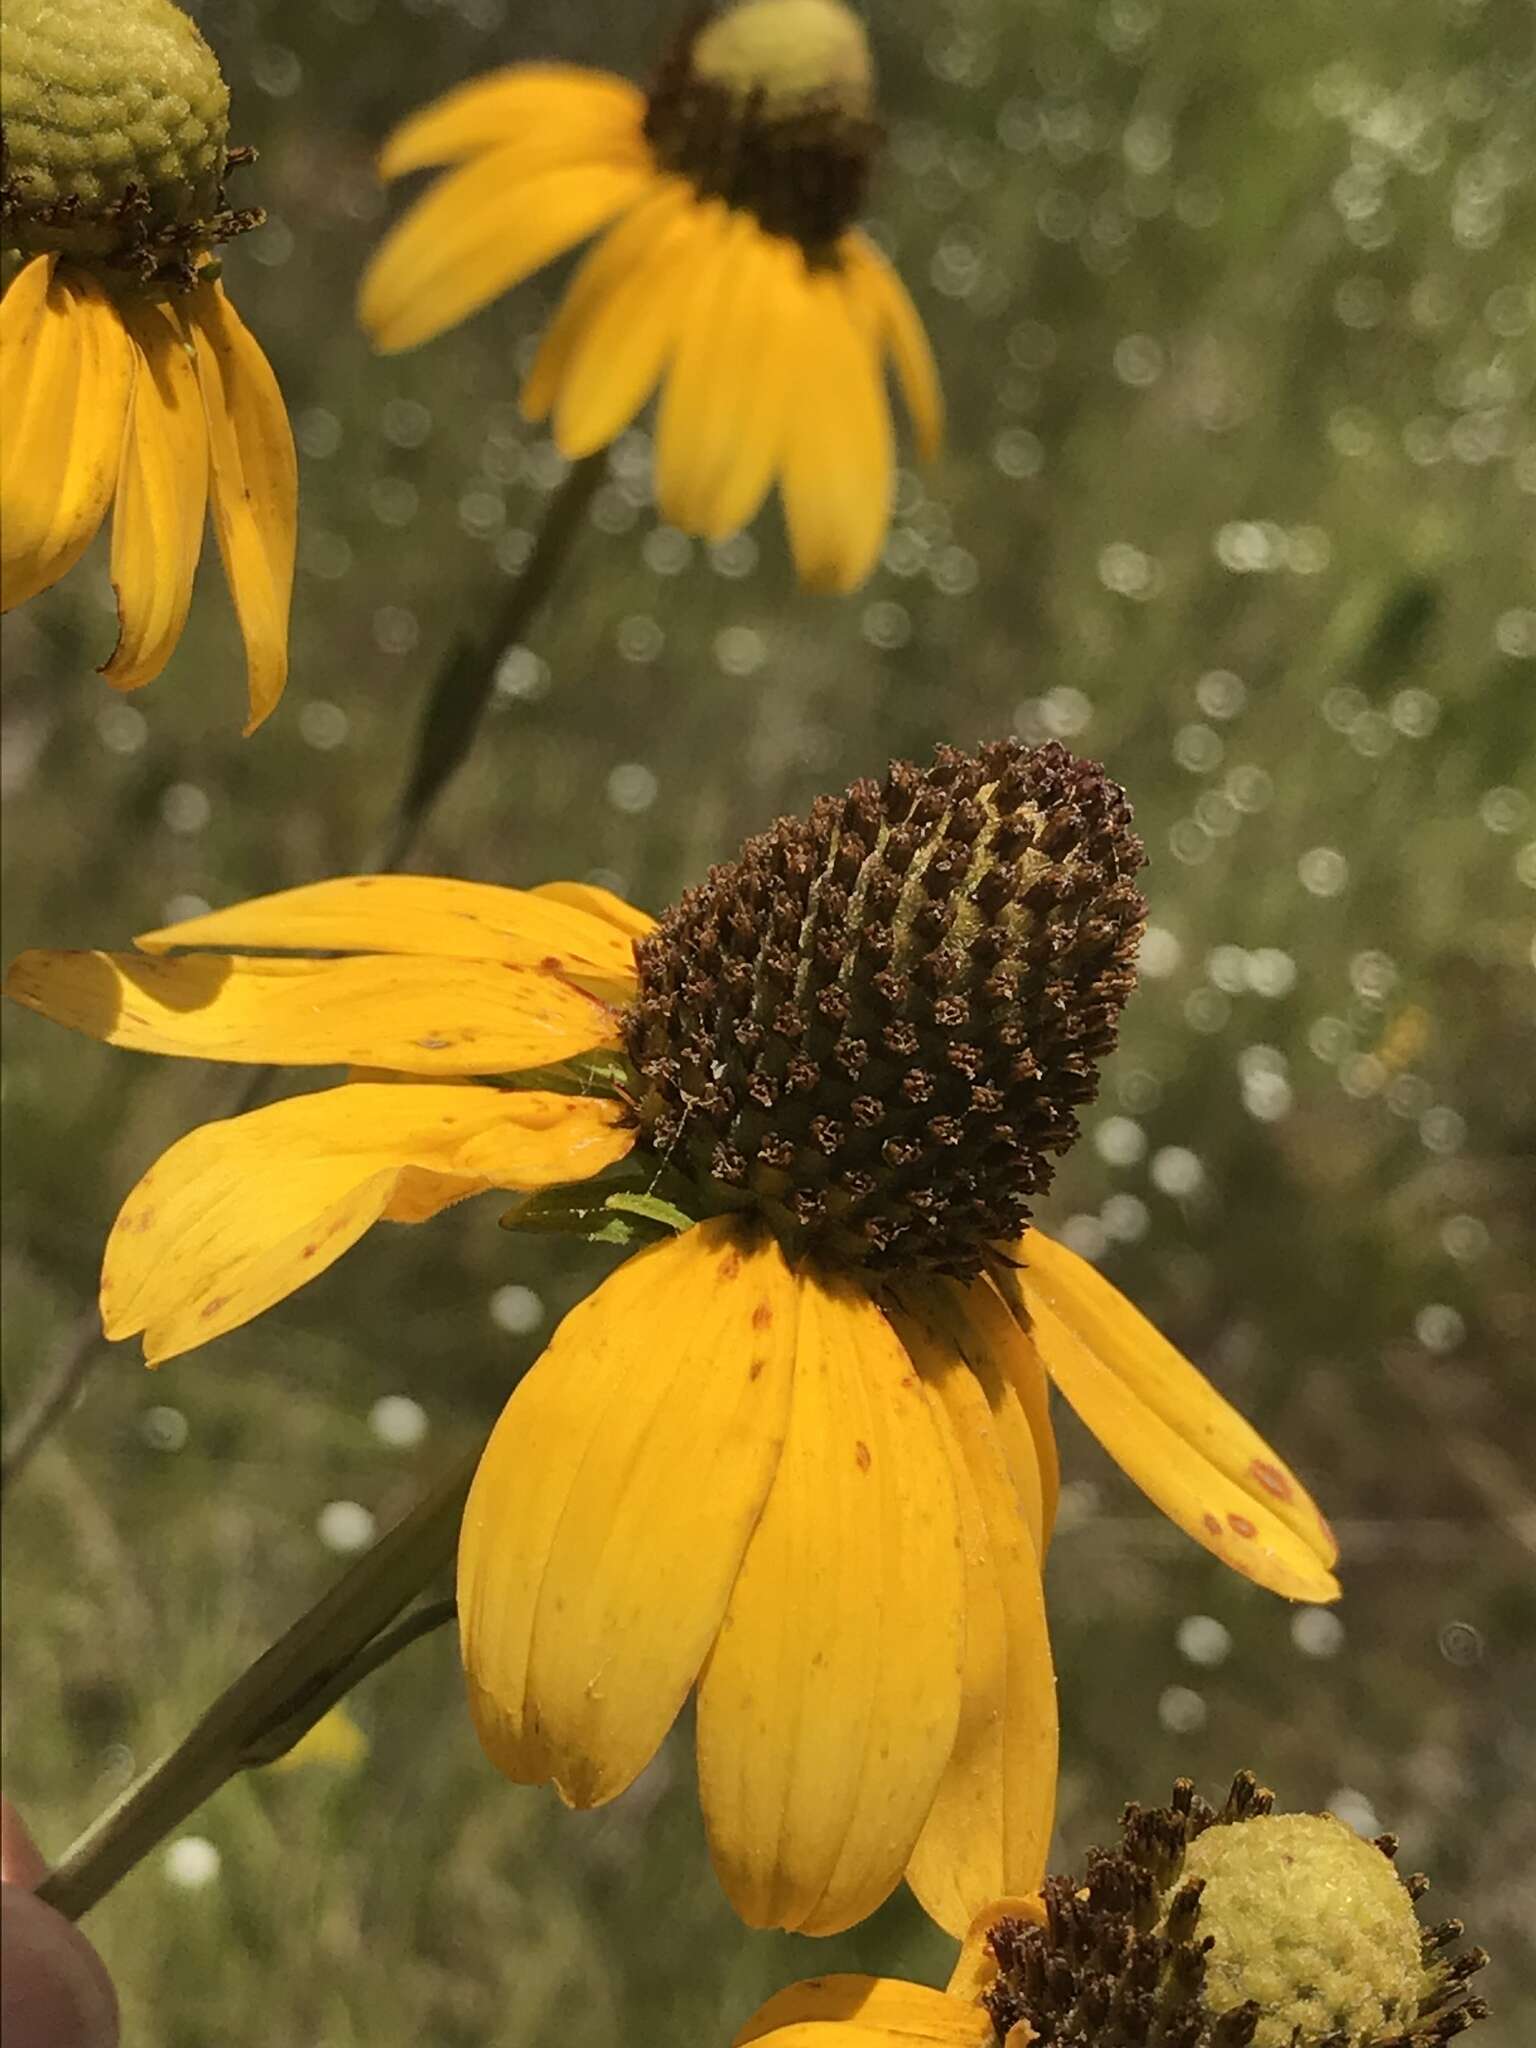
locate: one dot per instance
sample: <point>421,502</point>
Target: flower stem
<point>462,688</point>
<point>342,1638</point>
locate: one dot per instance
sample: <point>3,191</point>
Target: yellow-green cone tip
<point>116,122</point>
<point>791,53</point>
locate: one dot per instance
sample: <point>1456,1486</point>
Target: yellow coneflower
<point>799,1451</point>
<point>1229,1928</point>
<point>127,379</point>
<point>732,275</point>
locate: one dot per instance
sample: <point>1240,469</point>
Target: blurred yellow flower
<point>733,275</point>
<point>127,379</point>
<point>799,1451</point>
<point>335,1742</point>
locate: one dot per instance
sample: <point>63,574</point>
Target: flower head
<point>127,379</point>
<point>1205,1928</point>
<point>732,273</point>
<point>815,1102</point>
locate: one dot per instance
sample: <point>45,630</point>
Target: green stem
<point>343,1637</point>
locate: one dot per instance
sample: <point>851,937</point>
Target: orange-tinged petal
<point>255,486</point>
<point>610,1511</point>
<point>429,915</point>
<point>162,495</point>
<point>838,463</point>
<point>828,1706</point>
<point>635,924</point>
<point>368,1011</point>
<point>585,110</point>
<point>990,1823</point>
<point>239,1214</point>
<point>480,230</point>
<point>901,332</point>
<point>1123,1340</point>
<point>854,2010</point>
<point>1172,1472</point>
<point>625,250</point>
<point>66,375</point>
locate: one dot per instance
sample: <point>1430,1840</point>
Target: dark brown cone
<point>876,1026</point>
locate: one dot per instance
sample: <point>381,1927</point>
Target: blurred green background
<point>1233,309</point>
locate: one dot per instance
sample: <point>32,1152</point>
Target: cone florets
<point>876,1026</point>
<point>1233,1929</point>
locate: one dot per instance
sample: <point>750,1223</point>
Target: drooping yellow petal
<point>610,1511</point>
<point>828,1706</point>
<point>66,375</point>
<point>626,249</point>
<point>589,110</point>
<point>430,915</point>
<point>902,333</point>
<point>162,494</point>
<point>480,230</point>
<point>635,924</point>
<point>1123,1340</point>
<point>838,464</point>
<point>238,1214</point>
<point>368,1010</point>
<point>862,2011</point>
<point>720,427</point>
<point>1172,1472</point>
<point>255,486</point>
<point>990,1823</point>
<point>623,345</point>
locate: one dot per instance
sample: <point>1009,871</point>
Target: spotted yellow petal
<point>829,1703</point>
<point>162,494</point>
<point>478,231</point>
<point>860,2012</point>
<point>255,486</point>
<point>901,332</point>
<point>369,1011</point>
<point>838,463</point>
<point>66,375</point>
<point>1129,1346</point>
<point>433,916</point>
<point>990,1823</point>
<point>610,1511</point>
<point>635,924</point>
<point>1172,1471</point>
<point>586,110</point>
<point>720,427</point>
<point>239,1214</point>
<point>625,251</point>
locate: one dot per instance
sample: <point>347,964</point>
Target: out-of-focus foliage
<point>1233,310</point>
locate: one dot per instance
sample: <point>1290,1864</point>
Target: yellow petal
<point>608,1518</point>
<point>66,374</point>
<point>1172,1472</point>
<point>477,232</point>
<point>587,110</point>
<point>238,1214</point>
<point>1123,1340</point>
<point>626,249</point>
<point>369,1011</point>
<point>990,1824</point>
<point>720,428</point>
<point>828,1706</point>
<point>433,916</point>
<point>975,1968</point>
<point>838,464</point>
<point>162,494</point>
<point>867,2010</point>
<point>902,333</point>
<point>618,354</point>
<point>255,481</point>
<point>635,924</point>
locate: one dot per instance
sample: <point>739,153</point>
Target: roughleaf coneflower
<point>732,273</point>
<point>127,378</point>
<point>1234,1927</point>
<point>796,1450</point>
